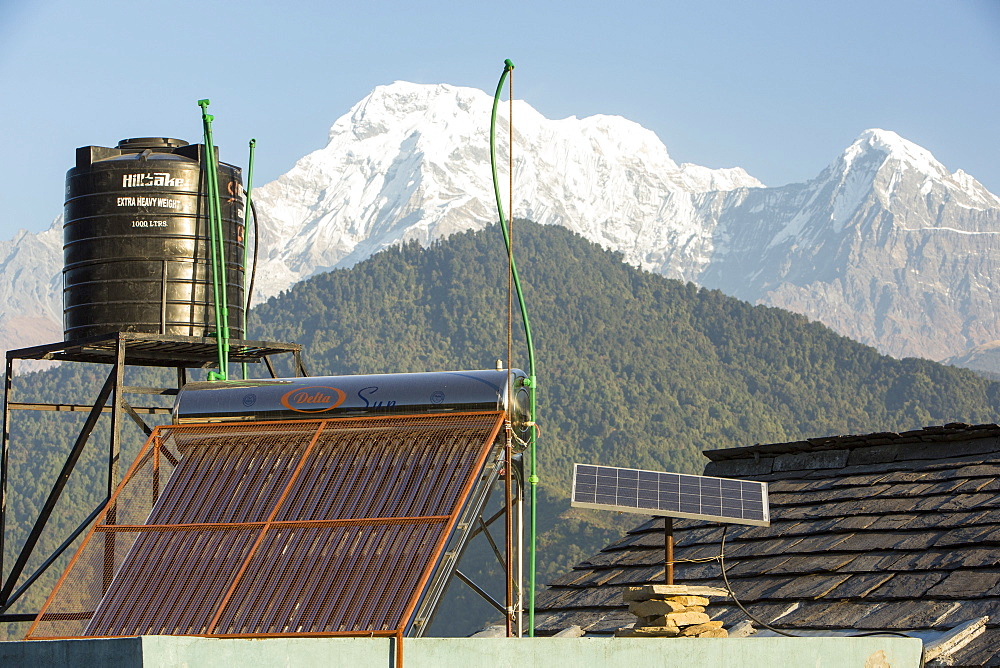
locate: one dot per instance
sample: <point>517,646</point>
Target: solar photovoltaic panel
<point>670,494</point>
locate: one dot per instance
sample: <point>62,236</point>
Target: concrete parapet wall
<point>163,651</point>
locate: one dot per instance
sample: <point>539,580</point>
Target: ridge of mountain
<point>885,245</point>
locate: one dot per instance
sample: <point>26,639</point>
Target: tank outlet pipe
<point>531,381</point>
<point>248,209</point>
<point>217,246</point>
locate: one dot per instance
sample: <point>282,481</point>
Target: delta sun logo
<point>313,399</point>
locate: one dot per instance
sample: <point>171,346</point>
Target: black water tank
<point>136,241</point>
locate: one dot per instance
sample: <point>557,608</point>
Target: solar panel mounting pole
<point>668,548</point>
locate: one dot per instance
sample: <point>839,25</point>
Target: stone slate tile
<point>973,609</point>
<point>807,587</point>
<point>873,455</point>
<point>553,622</point>
<point>608,596</point>
<point>777,528</point>
<point>926,560</point>
<point>555,599</point>
<point>983,651</point>
<point>906,585</point>
<point>904,476</point>
<point>985,470</point>
<point>756,589</point>
<point>969,535</point>
<point>893,522</point>
<point>604,559</point>
<point>971,501</point>
<point>752,549</point>
<point>608,623</point>
<point>797,486</point>
<point>852,522</point>
<point>919,489</point>
<point>586,620</point>
<point>869,562</point>
<point>858,585</point>
<point>820,542</point>
<point>875,506</point>
<point>708,535</point>
<point>599,577</point>
<point>946,519</point>
<point>801,513</point>
<point>625,558</point>
<point>980,558</point>
<point>976,485</point>
<point>729,615</point>
<point>574,577</point>
<point>869,541</point>
<point>642,575</point>
<point>747,567</point>
<point>827,615</point>
<point>686,572</point>
<point>943,474</point>
<point>830,495</point>
<point>740,468</point>
<point>918,541</point>
<point>932,451</point>
<point>945,486</point>
<point>776,614</point>
<point>934,503</point>
<point>965,584</point>
<point>991,486</point>
<point>818,563</point>
<point>907,615</point>
<point>696,551</point>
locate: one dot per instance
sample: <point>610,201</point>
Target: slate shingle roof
<point>875,532</point>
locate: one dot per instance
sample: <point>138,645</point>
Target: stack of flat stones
<point>671,611</point>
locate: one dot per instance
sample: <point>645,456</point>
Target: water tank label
<point>161,202</point>
<point>145,180</point>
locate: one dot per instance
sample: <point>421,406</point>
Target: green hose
<point>531,383</point>
<point>246,239</point>
<point>217,246</point>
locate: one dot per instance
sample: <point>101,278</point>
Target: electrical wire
<point>736,600</point>
<point>256,247</point>
<point>247,209</point>
<point>756,620</point>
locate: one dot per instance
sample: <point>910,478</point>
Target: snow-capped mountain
<point>885,245</point>
<point>31,288</point>
<point>412,162</point>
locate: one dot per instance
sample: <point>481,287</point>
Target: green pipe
<point>220,240</point>
<point>246,239</point>
<point>214,233</point>
<point>531,383</point>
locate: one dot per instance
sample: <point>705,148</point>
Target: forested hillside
<point>634,369</point>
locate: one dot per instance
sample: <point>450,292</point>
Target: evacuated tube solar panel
<point>670,494</point>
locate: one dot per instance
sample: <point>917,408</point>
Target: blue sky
<point>778,88</point>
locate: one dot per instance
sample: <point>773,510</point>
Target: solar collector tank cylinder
<point>347,396</point>
<point>136,241</point>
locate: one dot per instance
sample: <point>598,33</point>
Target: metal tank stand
<point>119,350</point>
